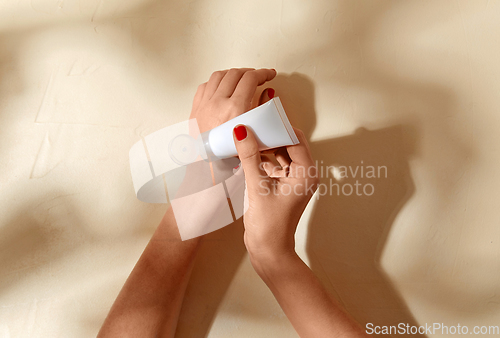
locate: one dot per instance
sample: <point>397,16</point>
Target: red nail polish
<point>270,93</point>
<point>240,132</point>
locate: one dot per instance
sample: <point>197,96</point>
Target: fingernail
<point>240,132</point>
<point>270,93</point>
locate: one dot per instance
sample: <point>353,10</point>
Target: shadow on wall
<point>34,238</point>
<point>347,231</point>
<point>40,236</point>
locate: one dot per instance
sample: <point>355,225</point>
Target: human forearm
<point>270,223</point>
<point>304,300</point>
<point>150,301</point>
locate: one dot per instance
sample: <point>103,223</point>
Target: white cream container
<point>268,122</point>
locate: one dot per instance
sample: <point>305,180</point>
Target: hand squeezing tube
<point>268,122</point>
<point>194,171</point>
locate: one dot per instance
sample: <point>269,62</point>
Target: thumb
<point>248,152</point>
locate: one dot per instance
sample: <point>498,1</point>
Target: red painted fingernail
<point>270,93</point>
<point>240,132</point>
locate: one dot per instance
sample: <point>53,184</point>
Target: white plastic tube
<point>268,122</point>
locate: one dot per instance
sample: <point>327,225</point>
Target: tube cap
<point>183,149</point>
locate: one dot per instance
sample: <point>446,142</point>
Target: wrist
<point>268,263</point>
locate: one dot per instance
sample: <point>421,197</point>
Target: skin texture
<point>149,303</point>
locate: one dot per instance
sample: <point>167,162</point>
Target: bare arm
<point>277,197</point>
<point>311,310</point>
<point>150,300</point>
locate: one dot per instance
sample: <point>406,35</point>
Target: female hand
<point>229,93</point>
<point>277,196</point>
<point>226,95</point>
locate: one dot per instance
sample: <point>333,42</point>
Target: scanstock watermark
<point>332,179</point>
<point>434,328</point>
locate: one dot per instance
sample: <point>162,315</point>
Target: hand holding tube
<point>150,301</point>
<point>277,196</point>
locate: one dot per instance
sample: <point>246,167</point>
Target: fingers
<point>300,154</point>
<point>268,165</point>
<point>248,152</point>
<point>284,161</point>
<point>213,83</point>
<point>237,83</point>
<point>282,157</point>
<point>230,81</point>
<point>272,169</point>
<point>249,82</point>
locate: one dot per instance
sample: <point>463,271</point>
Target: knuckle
<point>233,107</point>
<point>250,153</point>
<point>251,75</point>
<point>217,74</point>
<point>235,72</point>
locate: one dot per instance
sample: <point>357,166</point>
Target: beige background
<point>412,85</point>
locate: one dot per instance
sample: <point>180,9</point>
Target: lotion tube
<point>268,122</point>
